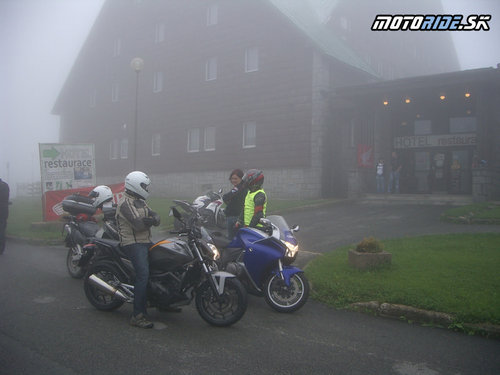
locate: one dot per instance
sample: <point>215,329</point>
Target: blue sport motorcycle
<point>262,260</point>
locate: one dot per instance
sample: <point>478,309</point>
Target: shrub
<point>369,245</point>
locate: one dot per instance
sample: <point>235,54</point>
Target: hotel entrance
<point>441,171</point>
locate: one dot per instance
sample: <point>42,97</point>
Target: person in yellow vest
<point>255,204</point>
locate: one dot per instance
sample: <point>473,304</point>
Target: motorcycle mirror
<point>265,221</point>
<point>295,228</point>
<point>220,190</point>
<point>175,213</point>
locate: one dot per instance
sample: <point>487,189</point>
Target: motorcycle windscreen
<point>167,255</point>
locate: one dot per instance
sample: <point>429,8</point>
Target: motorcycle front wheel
<point>72,259</point>
<point>223,310</point>
<point>99,299</point>
<point>285,298</point>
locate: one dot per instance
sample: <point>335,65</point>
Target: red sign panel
<point>365,156</point>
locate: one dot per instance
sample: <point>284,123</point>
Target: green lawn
<point>484,212</point>
<point>456,274</point>
<point>27,210</point>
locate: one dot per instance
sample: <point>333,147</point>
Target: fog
<point>40,41</point>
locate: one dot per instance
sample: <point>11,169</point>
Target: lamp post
<point>137,64</point>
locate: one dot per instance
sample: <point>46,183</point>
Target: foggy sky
<point>39,43</point>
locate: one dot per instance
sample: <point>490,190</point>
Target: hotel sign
<point>435,140</point>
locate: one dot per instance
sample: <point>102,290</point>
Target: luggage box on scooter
<point>166,255</point>
<point>78,204</point>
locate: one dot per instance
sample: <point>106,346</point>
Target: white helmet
<point>138,182</point>
<point>101,194</point>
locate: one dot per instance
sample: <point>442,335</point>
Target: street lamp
<point>137,64</point>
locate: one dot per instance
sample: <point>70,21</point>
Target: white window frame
<point>345,23</point>
<point>251,59</point>
<point>211,69</point>
<point>117,47</point>
<point>113,149</point>
<point>193,141</point>
<point>249,134</point>
<point>115,92</point>
<point>93,98</point>
<point>212,14</point>
<point>159,32</point>
<point>156,144</point>
<point>158,82</point>
<point>209,139</point>
<point>124,148</point>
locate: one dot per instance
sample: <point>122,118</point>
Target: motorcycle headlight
<point>214,250</point>
<point>291,249</point>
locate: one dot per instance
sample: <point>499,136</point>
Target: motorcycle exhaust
<point>105,287</point>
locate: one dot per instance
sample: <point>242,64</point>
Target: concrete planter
<point>364,261</point>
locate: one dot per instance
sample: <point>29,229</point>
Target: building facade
<point>226,84</point>
<point>445,128</point>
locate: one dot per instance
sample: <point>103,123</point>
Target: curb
<point>421,316</point>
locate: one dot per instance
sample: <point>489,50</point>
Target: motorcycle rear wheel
<point>284,298</point>
<point>72,259</point>
<point>224,310</point>
<point>99,299</point>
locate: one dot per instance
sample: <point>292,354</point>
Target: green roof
<point>311,17</point>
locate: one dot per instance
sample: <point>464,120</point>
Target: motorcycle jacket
<point>255,208</point>
<point>134,219</point>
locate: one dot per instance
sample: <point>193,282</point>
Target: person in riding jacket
<point>234,200</point>
<point>255,204</point>
<point>134,219</point>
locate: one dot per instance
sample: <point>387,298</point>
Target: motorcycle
<point>180,271</point>
<point>210,208</point>
<point>262,260</point>
<point>80,227</point>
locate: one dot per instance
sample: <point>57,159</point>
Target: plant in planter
<point>368,254</point>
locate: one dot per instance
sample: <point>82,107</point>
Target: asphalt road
<point>48,327</point>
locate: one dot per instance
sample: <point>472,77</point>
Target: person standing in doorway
<point>4,212</point>
<point>380,176</point>
<point>394,174</point>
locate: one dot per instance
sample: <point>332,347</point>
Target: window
<point>249,135</point>
<point>158,82</point>
<point>345,23</point>
<point>209,141</point>
<point>463,124</point>
<point>159,32</point>
<point>114,92</point>
<point>113,149</point>
<point>211,69</point>
<point>423,127</point>
<point>155,144</point>
<point>124,148</point>
<point>193,140</point>
<point>251,59</point>
<point>92,98</point>
<point>212,14</point>
<point>117,47</point>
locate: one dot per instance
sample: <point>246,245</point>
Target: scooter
<point>80,227</point>
<point>262,260</point>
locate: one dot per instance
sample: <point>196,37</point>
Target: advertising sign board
<point>66,166</point>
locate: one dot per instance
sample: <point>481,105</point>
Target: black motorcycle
<point>180,271</point>
<point>80,227</point>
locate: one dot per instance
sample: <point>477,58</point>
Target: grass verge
<point>27,210</point>
<point>482,213</point>
<point>455,274</point>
